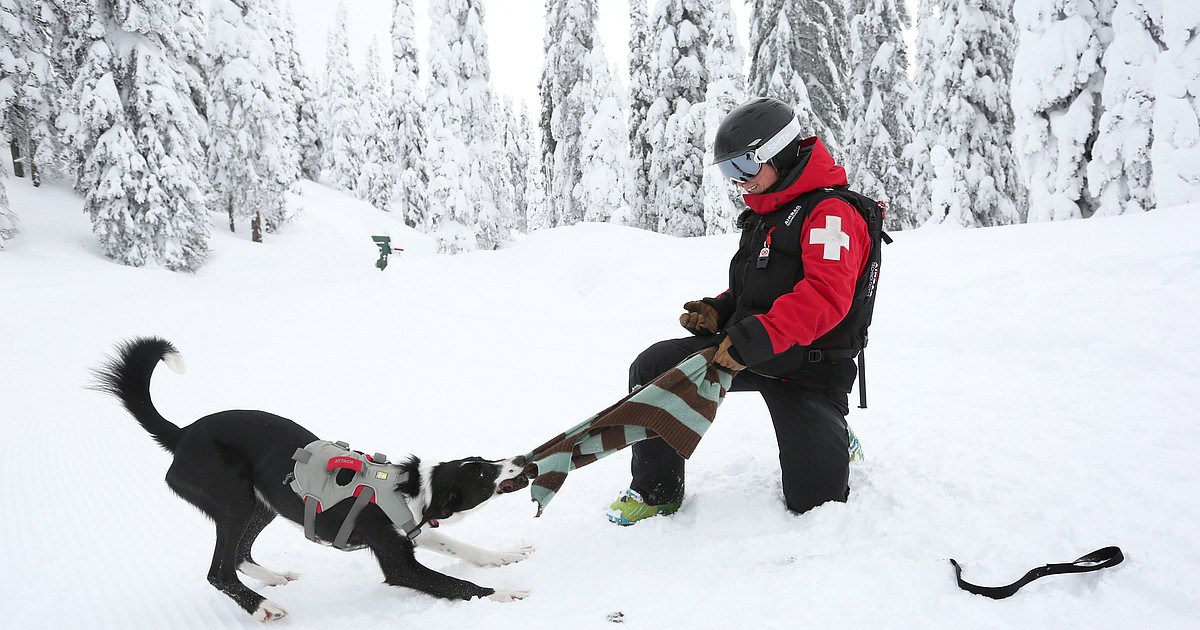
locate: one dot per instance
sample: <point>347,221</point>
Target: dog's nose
<point>519,461</point>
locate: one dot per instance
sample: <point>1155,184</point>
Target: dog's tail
<point>127,376</point>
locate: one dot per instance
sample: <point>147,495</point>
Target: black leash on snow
<point>1099,559</point>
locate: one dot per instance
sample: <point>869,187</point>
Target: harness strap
<point>1099,559</point>
<point>360,502</point>
<point>405,522</point>
<point>311,505</point>
<point>365,479</point>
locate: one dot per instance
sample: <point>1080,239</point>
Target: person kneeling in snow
<point>800,296</point>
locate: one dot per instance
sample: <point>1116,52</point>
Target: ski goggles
<point>740,168</point>
<point>743,168</point>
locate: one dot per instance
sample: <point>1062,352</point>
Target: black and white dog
<point>232,466</point>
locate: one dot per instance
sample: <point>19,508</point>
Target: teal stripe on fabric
<point>581,427</point>
<point>674,405</point>
<point>696,371</point>
<point>712,391</point>
<point>541,495</point>
<point>634,434</point>
<point>591,445</point>
<point>554,462</point>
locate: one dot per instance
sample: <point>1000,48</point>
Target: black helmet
<point>761,127</point>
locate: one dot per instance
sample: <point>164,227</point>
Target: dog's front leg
<point>438,542</point>
<point>394,552</point>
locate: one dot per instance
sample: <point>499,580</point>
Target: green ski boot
<point>629,508</point>
<point>856,453</point>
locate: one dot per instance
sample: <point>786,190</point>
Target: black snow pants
<point>810,428</point>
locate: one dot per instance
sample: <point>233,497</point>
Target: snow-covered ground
<point>1033,397</point>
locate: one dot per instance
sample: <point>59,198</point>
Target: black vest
<point>757,281</point>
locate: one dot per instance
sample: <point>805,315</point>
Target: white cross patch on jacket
<point>832,237</point>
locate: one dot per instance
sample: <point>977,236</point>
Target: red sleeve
<point>834,248</point>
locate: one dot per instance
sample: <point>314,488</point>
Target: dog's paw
<point>514,555</point>
<point>268,577</point>
<point>279,579</point>
<point>501,558</point>
<point>502,595</point>
<point>269,611</point>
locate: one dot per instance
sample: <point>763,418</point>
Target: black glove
<point>700,318</point>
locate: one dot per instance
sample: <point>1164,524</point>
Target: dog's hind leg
<point>225,494</point>
<point>263,515</point>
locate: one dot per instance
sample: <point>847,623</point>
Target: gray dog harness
<point>315,480</point>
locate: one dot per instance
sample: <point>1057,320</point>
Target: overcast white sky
<point>514,29</point>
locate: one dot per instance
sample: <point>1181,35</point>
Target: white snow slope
<point>1033,397</point>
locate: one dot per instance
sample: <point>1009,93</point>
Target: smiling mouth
<point>751,189</point>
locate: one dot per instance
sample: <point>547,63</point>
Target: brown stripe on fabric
<point>660,423</point>
<point>551,480</point>
<point>689,392</point>
<point>579,461</point>
<point>613,438</point>
<point>713,375</point>
<point>549,446</point>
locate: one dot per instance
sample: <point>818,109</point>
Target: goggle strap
<point>776,143</point>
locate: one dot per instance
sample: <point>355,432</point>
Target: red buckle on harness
<point>353,463</point>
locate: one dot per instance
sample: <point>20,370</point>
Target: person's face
<point>767,176</point>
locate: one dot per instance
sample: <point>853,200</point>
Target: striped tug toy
<point>678,406</point>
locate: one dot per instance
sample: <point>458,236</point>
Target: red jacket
<point>834,248</point>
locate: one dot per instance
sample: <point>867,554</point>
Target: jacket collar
<point>820,171</point>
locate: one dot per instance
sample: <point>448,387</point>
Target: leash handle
<point>1099,559</point>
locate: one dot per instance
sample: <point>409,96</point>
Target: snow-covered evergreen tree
<point>140,133</point>
<point>1056,86</point>
<point>566,74</point>
<point>12,65</point>
<point>465,209</point>
<point>281,30</point>
<point>603,188</point>
<point>495,219</point>
<point>538,212</point>
<point>676,133</point>
<point>822,56</point>
<point>916,153</point>
<point>726,81</point>
<point>251,159</point>
<point>8,218</point>
<point>515,153</point>
<point>1175,153</point>
<point>407,119</point>
<point>69,42</point>
<point>450,210</point>
<point>376,176</point>
<point>304,130</point>
<point>774,70</point>
<point>28,86</point>
<point>641,96</point>
<point>308,124</point>
<point>1119,175</point>
<point>797,56</point>
<point>342,127</point>
<point>962,148</point>
<point>879,126</point>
